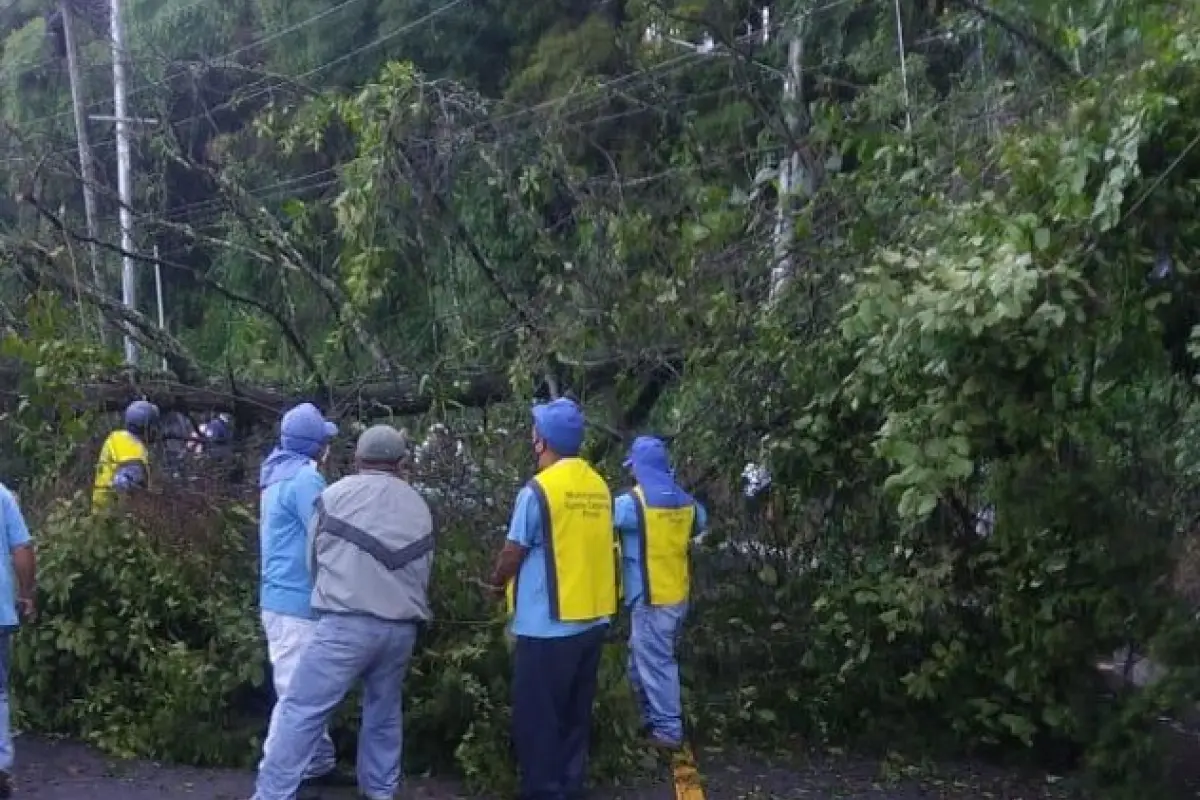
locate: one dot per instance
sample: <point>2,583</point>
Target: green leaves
<point>1041,239</point>
<point>52,364</point>
<point>153,631</point>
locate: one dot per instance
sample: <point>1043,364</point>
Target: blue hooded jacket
<point>651,467</point>
<point>291,486</point>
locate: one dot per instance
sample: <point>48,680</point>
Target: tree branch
<point>1032,40</point>
<point>289,333</point>
<point>263,404</point>
<point>268,231</point>
<point>179,360</point>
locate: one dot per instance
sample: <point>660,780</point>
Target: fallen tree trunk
<point>402,393</point>
<point>258,404</point>
<point>405,396</point>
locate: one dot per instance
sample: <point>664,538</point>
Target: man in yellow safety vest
<point>124,462</point>
<point>657,522</point>
<point>558,569</point>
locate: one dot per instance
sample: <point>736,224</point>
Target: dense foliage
<point>929,269</point>
<point>174,668</point>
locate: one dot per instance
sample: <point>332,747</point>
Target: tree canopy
<point>922,259</point>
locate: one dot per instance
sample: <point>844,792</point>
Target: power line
<point>208,111</point>
<point>180,212</point>
<point>665,67</point>
<point>595,182</point>
<point>15,70</point>
<point>269,37</point>
<point>266,85</point>
<point>627,81</point>
<point>293,185</point>
<point>314,19</point>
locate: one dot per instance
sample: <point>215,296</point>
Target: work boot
<point>336,777</point>
<point>659,743</point>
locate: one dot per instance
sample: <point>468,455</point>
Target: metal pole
<point>87,168</point>
<point>903,67</point>
<point>791,177</point>
<point>113,118</point>
<point>124,172</point>
<point>162,317</point>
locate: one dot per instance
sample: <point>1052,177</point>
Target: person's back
<point>560,575</point>
<point>372,549</point>
<point>124,461</point>
<point>658,522</point>
<point>572,547</point>
<point>290,484</point>
<point>176,432</point>
<point>287,506</point>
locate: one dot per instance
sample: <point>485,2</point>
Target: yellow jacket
<point>121,449</point>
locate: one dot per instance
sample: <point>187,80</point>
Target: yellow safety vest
<point>581,574</point>
<point>664,535</point>
<point>121,449</point>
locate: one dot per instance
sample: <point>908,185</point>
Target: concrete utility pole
<point>792,170</point>
<point>87,167</point>
<point>903,67</point>
<point>162,314</point>
<point>124,171</point>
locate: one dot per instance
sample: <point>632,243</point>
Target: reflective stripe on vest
<point>576,511</point>
<point>389,558</point>
<point>120,449</point>
<point>664,535</point>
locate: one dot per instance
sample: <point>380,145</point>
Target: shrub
<point>149,645</point>
<point>457,696</point>
<point>146,635</point>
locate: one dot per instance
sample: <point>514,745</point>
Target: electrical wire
<point>15,70</point>
<point>267,38</point>
<point>265,85</point>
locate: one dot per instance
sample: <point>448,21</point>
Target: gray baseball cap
<point>381,444</point>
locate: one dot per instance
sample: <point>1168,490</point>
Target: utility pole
<point>124,172</point>
<point>798,175</point>
<point>162,316</point>
<point>903,67</point>
<point>792,173</point>
<point>87,168</point>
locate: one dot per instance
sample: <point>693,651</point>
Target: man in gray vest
<point>370,552</point>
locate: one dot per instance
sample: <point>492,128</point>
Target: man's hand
<point>27,607</point>
<point>24,563</point>
<point>491,591</point>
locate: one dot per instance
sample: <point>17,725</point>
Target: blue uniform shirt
<point>16,534</point>
<point>625,520</point>
<point>287,508</point>
<point>532,615</point>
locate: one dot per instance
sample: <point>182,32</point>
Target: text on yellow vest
<point>664,535</point>
<point>120,449</point>
<point>576,512</point>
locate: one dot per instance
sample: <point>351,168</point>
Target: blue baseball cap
<point>140,414</point>
<point>305,430</point>
<point>560,422</point>
<point>217,430</point>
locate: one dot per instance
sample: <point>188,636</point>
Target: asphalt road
<point>67,771</point>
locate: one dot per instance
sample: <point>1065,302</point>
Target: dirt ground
<point>49,770</point>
